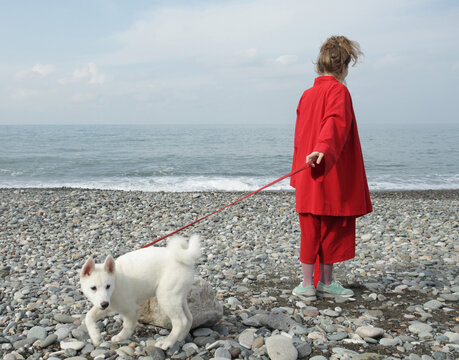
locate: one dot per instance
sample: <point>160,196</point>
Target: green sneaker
<point>307,293</point>
<point>333,290</point>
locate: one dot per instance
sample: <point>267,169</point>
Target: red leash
<point>242,198</point>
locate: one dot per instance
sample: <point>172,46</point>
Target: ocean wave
<point>219,183</point>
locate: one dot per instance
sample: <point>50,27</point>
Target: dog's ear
<point>109,264</point>
<point>88,267</point>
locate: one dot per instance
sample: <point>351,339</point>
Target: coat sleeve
<point>335,128</point>
<point>295,145</point>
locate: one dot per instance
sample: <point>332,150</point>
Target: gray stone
<point>222,353</point>
<point>80,334</point>
<point>190,349</point>
<point>329,312</point>
<point>426,357</point>
<point>204,340</point>
<point>62,333</point>
<point>5,271</point>
<point>21,343</point>
<point>389,342</point>
<point>10,356</point>
<point>367,356</point>
<point>342,351</point>
<point>304,349</point>
<point>203,304</point>
<point>155,353</point>
<point>452,336</point>
<point>246,339</point>
<point>275,321</point>
<point>370,340</point>
<point>419,327</point>
<point>37,332</point>
<point>433,305</point>
<point>125,350</point>
<point>202,332</point>
<point>88,348</point>
<point>450,297</point>
<point>74,345</point>
<point>64,319</point>
<point>49,340</point>
<point>338,336</point>
<point>369,331</point>
<point>280,347</point>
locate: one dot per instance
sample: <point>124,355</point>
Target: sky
<point>221,62</point>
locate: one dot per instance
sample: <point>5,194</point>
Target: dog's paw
<point>118,338</point>
<point>96,341</point>
<point>164,343</point>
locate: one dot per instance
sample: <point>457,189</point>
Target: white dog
<point>122,285</point>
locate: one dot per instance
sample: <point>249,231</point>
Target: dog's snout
<point>104,305</point>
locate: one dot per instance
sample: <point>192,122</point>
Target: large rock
<point>203,304</point>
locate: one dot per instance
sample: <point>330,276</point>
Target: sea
<point>193,158</point>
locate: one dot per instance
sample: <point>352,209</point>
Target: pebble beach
<point>404,276</point>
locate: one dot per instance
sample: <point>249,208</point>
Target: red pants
<point>326,240</point>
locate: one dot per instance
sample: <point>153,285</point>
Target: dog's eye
<point>93,288</point>
<point>107,287</point>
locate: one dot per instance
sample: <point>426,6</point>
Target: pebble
<point>37,332</point>
<point>329,312</point>
<point>202,332</point>
<point>62,318</point>
<point>389,342</point>
<point>304,349</point>
<point>433,305</point>
<point>190,349</point>
<point>246,338</point>
<point>452,337</point>
<point>280,347</point>
<point>155,353</point>
<point>404,276</point>
<point>222,353</point>
<point>49,340</point>
<point>418,328</point>
<point>369,331</point>
<point>62,332</point>
<point>74,345</point>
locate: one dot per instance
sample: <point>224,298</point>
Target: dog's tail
<point>183,252</point>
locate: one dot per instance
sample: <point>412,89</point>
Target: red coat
<point>326,123</point>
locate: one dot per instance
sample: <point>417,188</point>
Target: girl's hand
<point>314,158</point>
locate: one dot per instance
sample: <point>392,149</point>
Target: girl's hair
<point>336,53</point>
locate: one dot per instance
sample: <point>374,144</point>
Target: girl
<point>333,191</point>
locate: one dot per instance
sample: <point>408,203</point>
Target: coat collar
<point>323,79</point>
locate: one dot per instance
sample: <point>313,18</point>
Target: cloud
<point>89,73</point>
<point>43,70</point>
<point>286,59</point>
<point>203,32</point>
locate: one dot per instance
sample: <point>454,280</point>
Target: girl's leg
<point>310,241</point>
<point>308,272</point>
<point>326,273</point>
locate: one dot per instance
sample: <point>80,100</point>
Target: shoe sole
<point>305,298</point>
<point>328,295</point>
